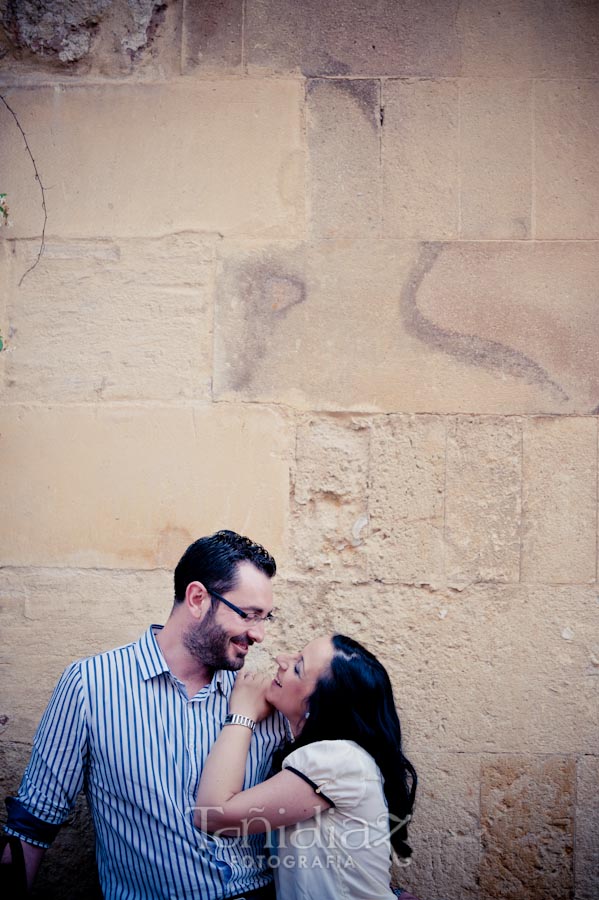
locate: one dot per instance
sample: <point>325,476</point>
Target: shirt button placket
<point>191,711</point>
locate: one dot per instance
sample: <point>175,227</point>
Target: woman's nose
<point>282,660</point>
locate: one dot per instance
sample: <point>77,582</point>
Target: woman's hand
<point>248,696</point>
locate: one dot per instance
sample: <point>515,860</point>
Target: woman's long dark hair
<point>354,702</point>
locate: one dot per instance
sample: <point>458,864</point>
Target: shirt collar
<point>151,663</point>
<point>150,660</point>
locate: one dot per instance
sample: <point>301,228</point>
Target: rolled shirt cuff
<point>23,824</point>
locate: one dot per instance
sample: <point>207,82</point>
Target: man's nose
<point>256,632</point>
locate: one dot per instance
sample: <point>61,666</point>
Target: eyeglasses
<point>249,617</point>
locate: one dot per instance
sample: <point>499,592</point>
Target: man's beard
<point>208,643</point>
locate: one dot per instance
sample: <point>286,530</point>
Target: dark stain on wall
<point>364,93</point>
<point>325,64</point>
<point>212,33</point>
<point>469,349</point>
<point>267,291</point>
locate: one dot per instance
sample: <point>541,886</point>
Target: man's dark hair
<point>213,561</point>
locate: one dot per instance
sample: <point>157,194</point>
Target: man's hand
<point>248,696</point>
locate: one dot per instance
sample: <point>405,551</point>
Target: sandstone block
<point>437,653</point>
<point>344,154</point>
<point>128,487</point>
<point>448,795</point>
<point>106,321</point>
<point>559,500</point>
<point>482,500</point>
<point>549,631</point>
<point>234,166</point>
<point>495,158</point>
<point>305,611</point>
<point>458,327</point>
<point>332,458</point>
<point>258,291</point>
<point>326,538</point>
<point>406,500</point>
<point>527,817</point>
<point>586,860</point>
<point>485,670</point>
<point>420,159</point>
<point>522,38</point>
<point>524,312</point>
<point>329,519</point>
<point>349,38</point>
<point>544,693</point>
<point>566,159</point>
<point>212,36</point>
<point>442,867</point>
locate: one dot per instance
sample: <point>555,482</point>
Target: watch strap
<point>238,719</point>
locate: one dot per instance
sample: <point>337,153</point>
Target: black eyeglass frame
<point>249,617</point>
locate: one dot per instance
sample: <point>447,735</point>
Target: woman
<point>345,790</point>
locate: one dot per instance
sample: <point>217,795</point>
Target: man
<point>133,726</point>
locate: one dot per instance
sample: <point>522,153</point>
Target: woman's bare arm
<point>222,805</point>
<point>32,855</point>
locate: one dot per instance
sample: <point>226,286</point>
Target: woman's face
<point>296,678</point>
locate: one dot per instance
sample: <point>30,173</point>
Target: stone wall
<point>326,273</point>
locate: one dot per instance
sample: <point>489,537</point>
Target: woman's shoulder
<point>339,754</point>
<point>339,770</point>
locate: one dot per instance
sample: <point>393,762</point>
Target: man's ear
<point>197,599</point>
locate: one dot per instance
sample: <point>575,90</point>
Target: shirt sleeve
<point>57,766</point>
<point>336,769</point>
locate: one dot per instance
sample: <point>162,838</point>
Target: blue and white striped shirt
<point>121,725</point>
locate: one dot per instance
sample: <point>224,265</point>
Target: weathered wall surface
<point>326,273</point>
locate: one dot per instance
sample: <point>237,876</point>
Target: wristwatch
<point>237,719</point>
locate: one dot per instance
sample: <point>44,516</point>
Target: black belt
<point>263,893</point>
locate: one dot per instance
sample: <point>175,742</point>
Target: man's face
<point>221,639</point>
